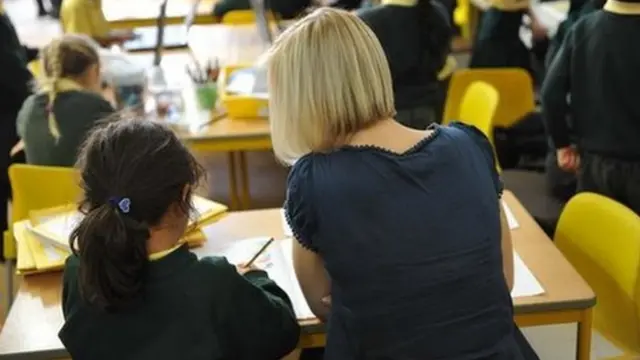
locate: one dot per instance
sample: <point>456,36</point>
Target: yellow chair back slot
<point>601,239</point>
<point>243,17</point>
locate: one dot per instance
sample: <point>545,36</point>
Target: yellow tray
<point>240,106</point>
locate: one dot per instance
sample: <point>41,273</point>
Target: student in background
<point>86,17</point>
<point>402,228</point>
<point>563,184</point>
<point>285,9</point>
<point>131,290</point>
<point>577,9</point>
<point>416,37</point>
<point>54,122</point>
<point>498,42</point>
<point>15,86</point>
<point>597,67</point>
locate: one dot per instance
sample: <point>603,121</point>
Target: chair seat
<point>531,189</point>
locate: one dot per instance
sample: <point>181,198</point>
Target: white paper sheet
<point>276,261</point>
<point>285,225</point>
<point>525,284</point>
<point>511,219</point>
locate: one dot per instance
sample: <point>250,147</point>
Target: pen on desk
<point>257,255</point>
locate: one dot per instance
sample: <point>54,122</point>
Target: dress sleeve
<point>298,204</point>
<point>487,150</point>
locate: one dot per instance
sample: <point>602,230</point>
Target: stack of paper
<point>43,241</point>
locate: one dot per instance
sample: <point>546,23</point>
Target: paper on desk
<point>525,284</point>
<point>276,261</point>
<point>511,219</point>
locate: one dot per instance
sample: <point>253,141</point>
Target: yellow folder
<point>35,256</point>
<point>54,226</point>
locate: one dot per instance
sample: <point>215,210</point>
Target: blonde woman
<point>54,122</point>
<point>402,228</point>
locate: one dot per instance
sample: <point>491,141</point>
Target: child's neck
<point>161,240</point>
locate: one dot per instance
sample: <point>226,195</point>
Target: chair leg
<point>233,181</point>
<point>244,178</point>
<point>9,274</point>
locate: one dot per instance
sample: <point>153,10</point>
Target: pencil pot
<point>206,95</point>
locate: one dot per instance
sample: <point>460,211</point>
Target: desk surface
<point>34,320</point>
<point>118,11</point>
<point>194,128</point>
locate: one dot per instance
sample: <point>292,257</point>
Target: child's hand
<point>538,31</point>
<point>242,269</point>
<point>568,159</point>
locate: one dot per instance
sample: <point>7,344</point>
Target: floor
<point>267,189</point>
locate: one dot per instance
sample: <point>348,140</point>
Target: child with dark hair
<point>592,81</point>
<point>131,291</point>
<point>54,122</point>
<point>416,38</point>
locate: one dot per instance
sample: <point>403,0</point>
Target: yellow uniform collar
<point>622,7</point>
<point>160,254</point>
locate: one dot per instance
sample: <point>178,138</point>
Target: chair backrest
<point>243,17</point>
<point>514,85</point>
<point>601,239</point>
<point>41,187</point>
<point>478,106</point>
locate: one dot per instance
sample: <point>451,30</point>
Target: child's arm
<point>555,90</point>
<point>70,292</point>
<point>260,322</point>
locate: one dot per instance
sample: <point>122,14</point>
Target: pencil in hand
<point>255,257</point>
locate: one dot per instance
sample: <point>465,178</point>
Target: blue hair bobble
<point>122,204</point>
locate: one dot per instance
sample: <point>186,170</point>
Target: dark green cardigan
<point>191,309</point>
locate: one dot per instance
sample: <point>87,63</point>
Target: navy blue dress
<point>412,245</point>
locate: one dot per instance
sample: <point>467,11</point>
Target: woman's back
<point>412,244</point>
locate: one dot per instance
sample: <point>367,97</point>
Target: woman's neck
<point>389,134</point>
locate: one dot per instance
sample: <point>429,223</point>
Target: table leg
<point>583,343</point>
<point>10,273</point>
<point>244,180</point>
<point>233,181</point>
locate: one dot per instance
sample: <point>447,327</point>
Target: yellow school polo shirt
<point>84,17</point>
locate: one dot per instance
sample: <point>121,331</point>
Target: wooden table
<point>30,331</point>
<point>233,136</point>
<point>123,14</point>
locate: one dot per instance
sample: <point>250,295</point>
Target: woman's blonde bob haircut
<point>328,79</point>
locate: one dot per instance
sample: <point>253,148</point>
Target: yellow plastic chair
<point>34,188</point>
<point>462,18</point>
<point>477,107</point>
<point>243,17</point>
<point>515,87</point>
<point>601,239</point>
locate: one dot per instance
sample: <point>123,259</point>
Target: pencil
<point>262,249</point>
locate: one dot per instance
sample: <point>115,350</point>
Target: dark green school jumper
<point>191,310</point>
<point>76,112</point>
<point>498,43</point>
<point>402,32</point>
<point>597,66</point>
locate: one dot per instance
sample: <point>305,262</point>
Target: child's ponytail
<point>54,70</point>
<point>62,60</point>
<point>113,255</point>
<point>436,35</point>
